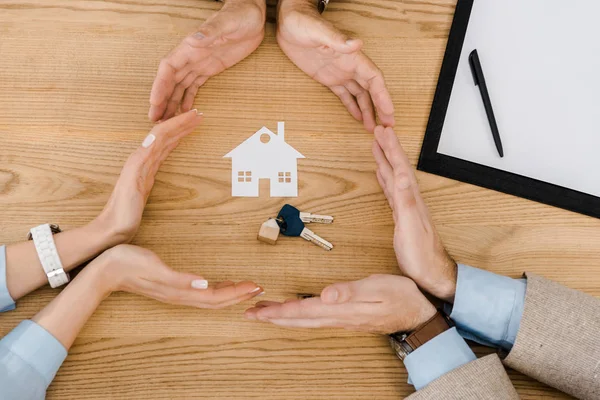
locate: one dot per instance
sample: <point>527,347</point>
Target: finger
<point>348,100</point>
<point>385,191</point>
<point>362,291</point>
<point>190,93</point>
<point>371,78</point>
<point>162,88</point>
<point>223,297</point>
<point>223,284</point>
<point>266,303</point>
<point>251,312</point>
<point>308,323</point>
<point>311,309</point>
<point>364,102</point>
<point>402,178</point>
<point>384,169</point>
<point>201,298</point>
<point>177,95</point>
<point>393,151</point>
<point>172,130</point>
<point>241,299</point>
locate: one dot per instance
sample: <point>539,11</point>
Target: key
<point>290,224</point>
<point>307,218</point>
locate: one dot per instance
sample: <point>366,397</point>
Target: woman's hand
<point>330,58</point>
<point>137,270</point>
<point>379,304</point>
<point>116,224</point>
<point>420,252</point>
<point>123,212</point>
<point>222,41</point>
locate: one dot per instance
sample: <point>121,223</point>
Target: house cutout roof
<point>275,148</point>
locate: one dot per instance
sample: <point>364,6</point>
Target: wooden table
<point>75,78</point>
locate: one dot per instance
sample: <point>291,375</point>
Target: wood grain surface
<point>75,78</point>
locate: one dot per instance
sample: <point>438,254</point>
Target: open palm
<point>222,41</point>
<point>326,54</point>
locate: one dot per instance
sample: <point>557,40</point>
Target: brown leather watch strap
<point>437,324</point>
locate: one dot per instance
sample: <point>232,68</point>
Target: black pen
<point>487,103</point>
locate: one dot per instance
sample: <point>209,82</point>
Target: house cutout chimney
<point>281,130</point>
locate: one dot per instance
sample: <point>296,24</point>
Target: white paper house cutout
<point>264,155</point>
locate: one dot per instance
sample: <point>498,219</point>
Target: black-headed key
<point>290,224</point>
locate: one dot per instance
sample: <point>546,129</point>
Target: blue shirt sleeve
<point>487,307</point>
<point>6,302</point>
<point>440,355</point>
<point>29,359</point>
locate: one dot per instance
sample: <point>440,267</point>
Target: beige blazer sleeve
<point>558,342</point>
<point>482,379</point>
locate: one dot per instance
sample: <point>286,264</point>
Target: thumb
<point>337,293</point>
<point>213,30</point>
<point>328,35</point>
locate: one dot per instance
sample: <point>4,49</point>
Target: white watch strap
<point>46,250</point>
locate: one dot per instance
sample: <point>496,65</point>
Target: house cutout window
<point>285,177</point>
<point>244,176</point>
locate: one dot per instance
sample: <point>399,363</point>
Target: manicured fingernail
<point>199,35</point>
<point>197,112</point>
<point>331,296</point>
<point>148,141</point>
<point>200,284</point>
<point>260,294</point>
<point>255,290</point>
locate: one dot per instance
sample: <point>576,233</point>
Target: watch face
<point>399,347</point>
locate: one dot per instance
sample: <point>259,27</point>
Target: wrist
<point>305,6</point>
<point>104,233</point>
<point>101,271</point>
<point>261,4</point>
<point>444,287</point>
<point>427,312</point>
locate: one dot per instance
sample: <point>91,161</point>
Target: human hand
<point>222,41</point>
<point>420,252</point>
<point>329,57</point>
<point>137,270</point>
<point>123,212</point>
<point>379,304</point>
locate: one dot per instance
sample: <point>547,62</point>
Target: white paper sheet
<point>541,61</point>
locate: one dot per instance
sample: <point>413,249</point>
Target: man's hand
<point>123,212</point>
<point>420,252</point>
<point>379,304</point>
<point>222,41</point>
<point>329,57</point>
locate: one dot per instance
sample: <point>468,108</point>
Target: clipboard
<point>481,165</point>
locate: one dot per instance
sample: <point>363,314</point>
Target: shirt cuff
<point>37,347</point>
<point>487,307</point>
<point>6,302</point>
<point>437,357</point>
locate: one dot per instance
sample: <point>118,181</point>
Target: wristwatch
<point>322,5</point>
<point>405,343</point>
<point>48,255</point>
